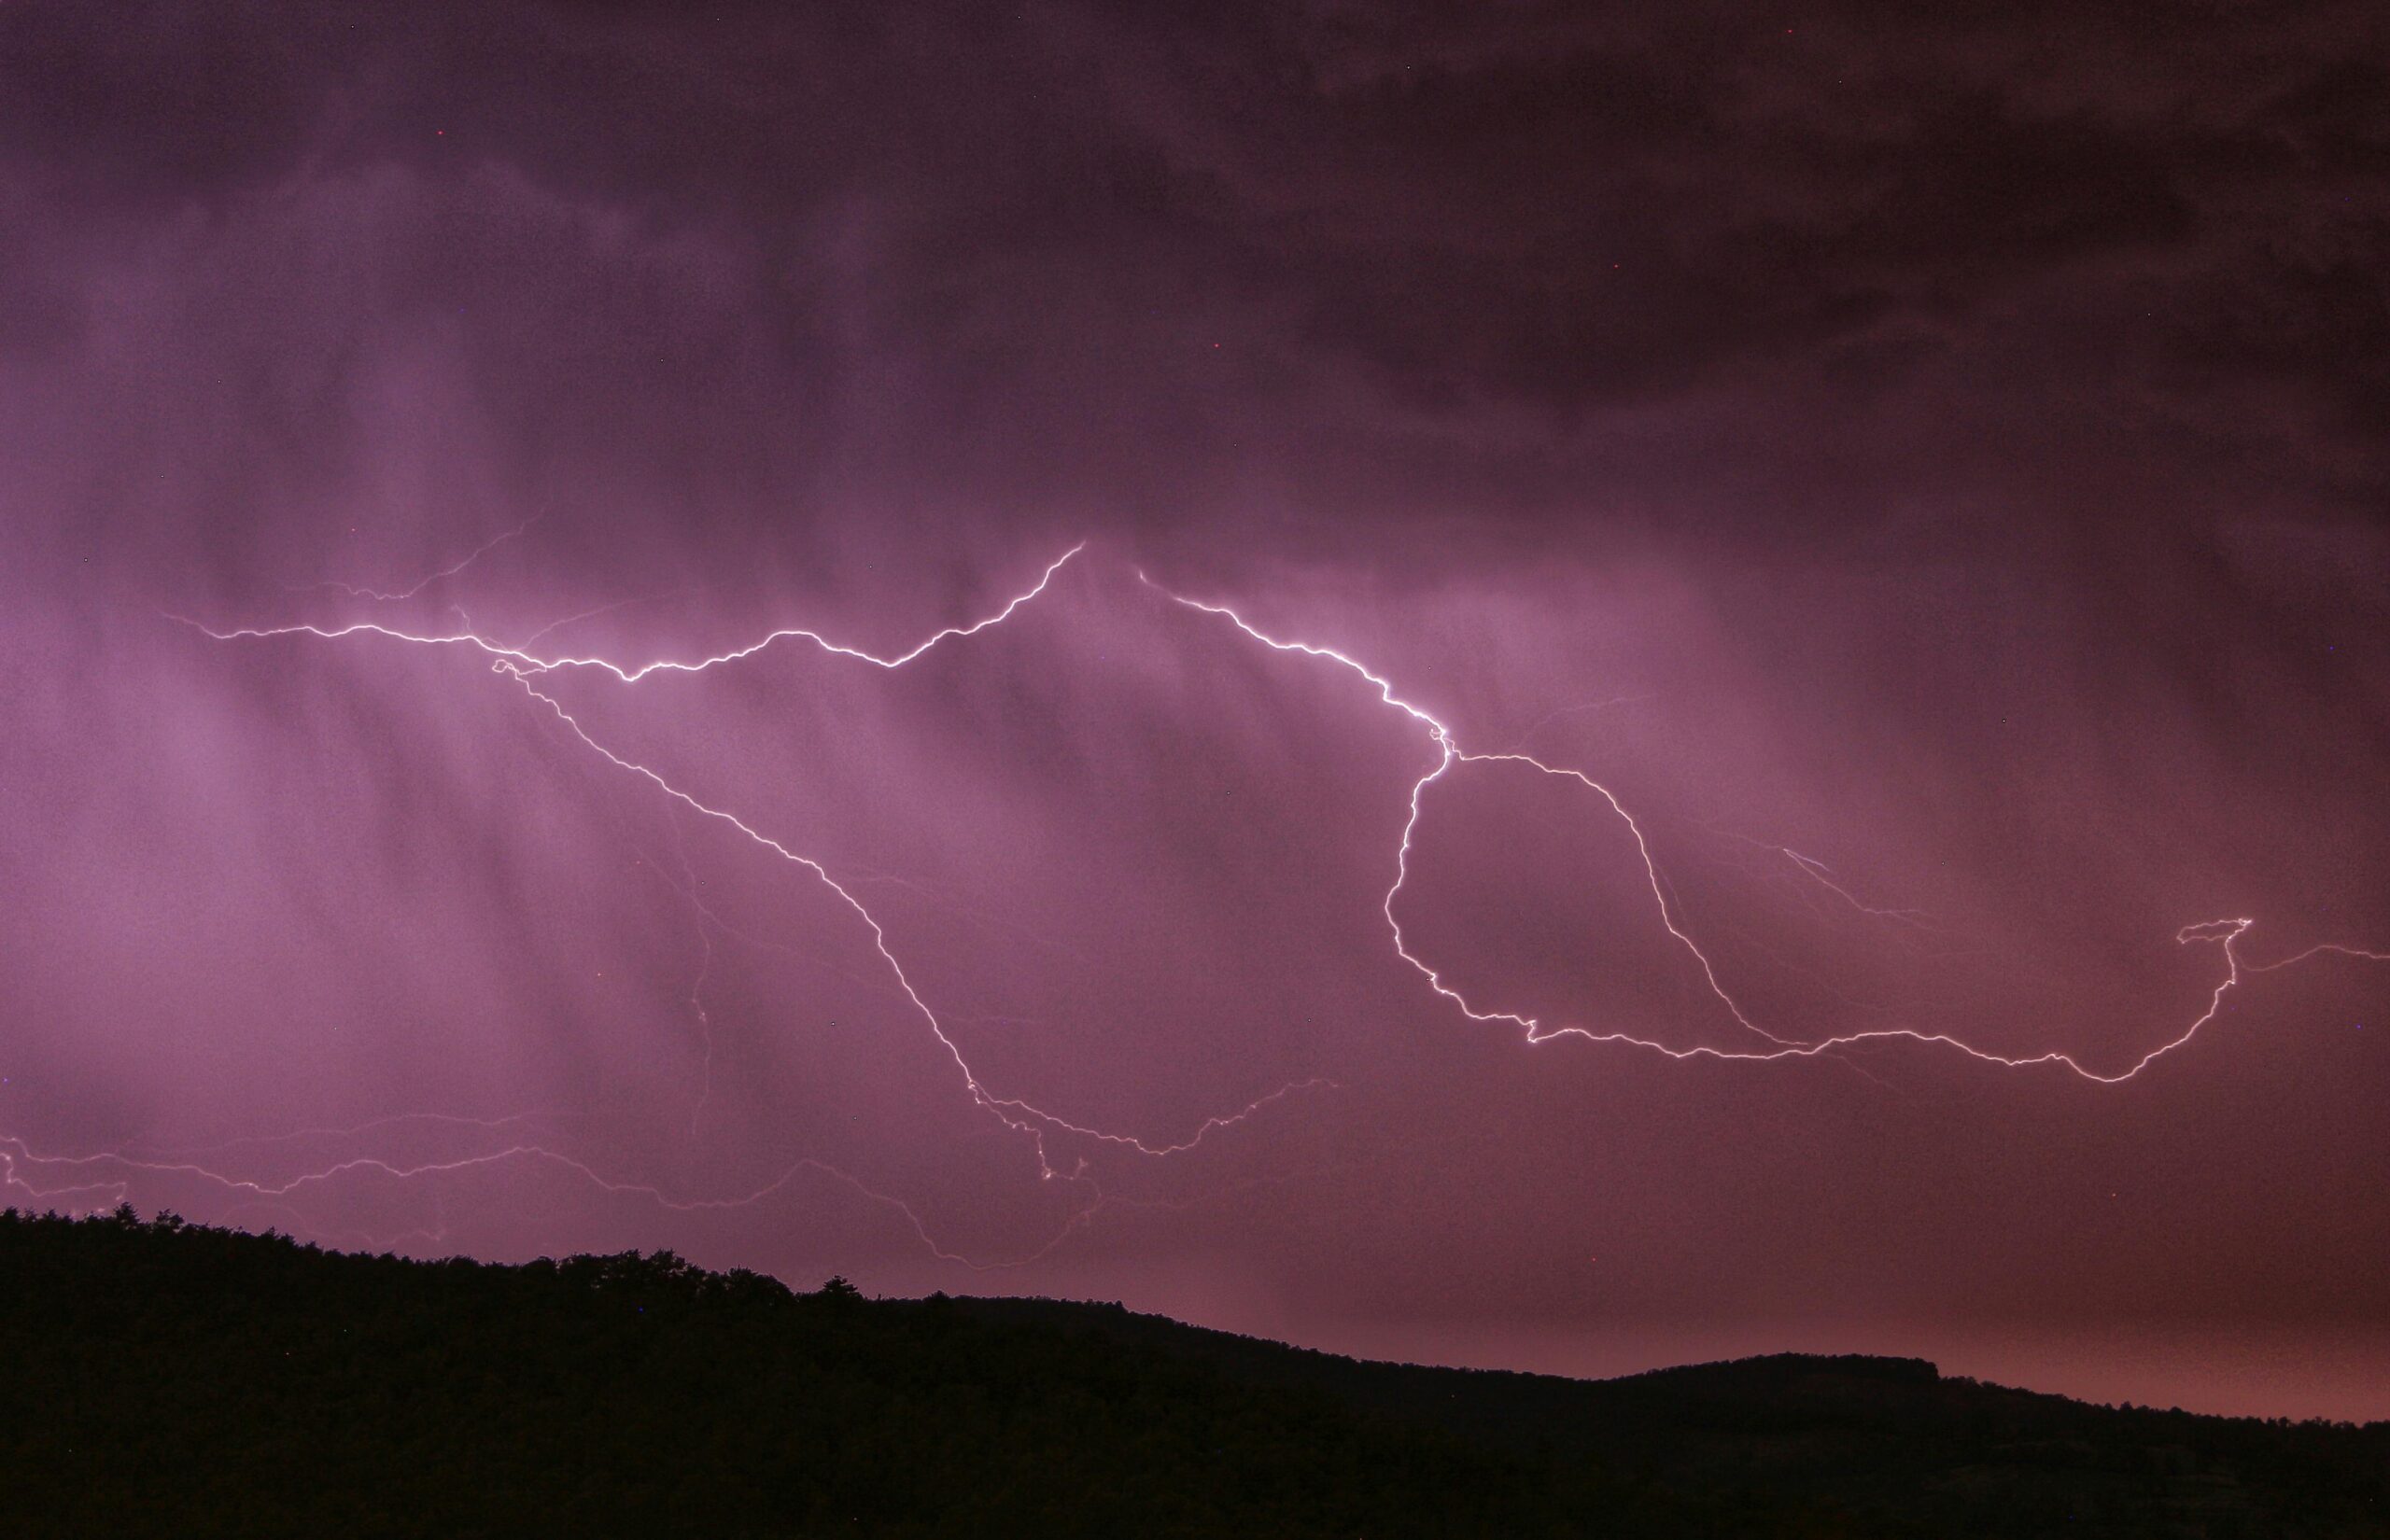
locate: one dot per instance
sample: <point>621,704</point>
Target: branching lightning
<point>1038,1125</point>
<point>1015,1113</point>
<point>2223,932</point>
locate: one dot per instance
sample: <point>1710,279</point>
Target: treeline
<point>168,1378</point>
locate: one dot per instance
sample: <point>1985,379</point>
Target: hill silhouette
<point>169,1378</point>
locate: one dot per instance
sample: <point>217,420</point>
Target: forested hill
<point>164,1378</point>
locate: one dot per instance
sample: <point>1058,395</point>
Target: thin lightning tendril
<point>452,570</point>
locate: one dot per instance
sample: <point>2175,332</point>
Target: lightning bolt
<point>452,570</point>
<point>1526,734</point>
<point>1016,1115</point>
<point>1823,875</point>
<point>521,659</point>
<point>526,669</point>
<point>14,1151</point>
<point>2224,933</point>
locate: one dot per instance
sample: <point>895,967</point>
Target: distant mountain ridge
<point>177,1379</point>
<point>1892,1437</point>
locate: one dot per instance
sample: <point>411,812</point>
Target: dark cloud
<point>968,226</point>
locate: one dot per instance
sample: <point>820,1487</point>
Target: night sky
<point>1908,494</point>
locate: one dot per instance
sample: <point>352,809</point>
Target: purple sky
<point>1927,480</point>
